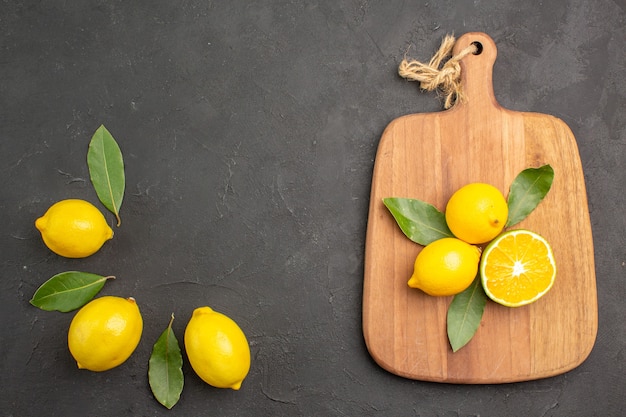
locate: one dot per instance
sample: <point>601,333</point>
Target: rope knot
<point>434,75</point>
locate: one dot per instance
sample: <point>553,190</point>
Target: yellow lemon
<point>74,228</point>
<point>477,213</point>
<point>217,349</point>
<point>105,332</point>
<point>445,267</point>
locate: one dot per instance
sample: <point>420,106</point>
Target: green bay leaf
<point>68,291</point>
<point>165,373</point>
<point>526,192</point>
<point>106,169</point>
<point>465,313</point>
<point>419,221</point>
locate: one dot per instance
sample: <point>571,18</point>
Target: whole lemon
<point>105,332</point>
<point>74,228</point>
<point>445,267</point>
<point>217,349</point>
<point>477,213</point>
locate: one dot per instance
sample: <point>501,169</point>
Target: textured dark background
<point>249,131</point>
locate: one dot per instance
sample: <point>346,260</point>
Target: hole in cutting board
<point>479,47</point>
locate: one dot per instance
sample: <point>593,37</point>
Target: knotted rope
<point>433,75</point>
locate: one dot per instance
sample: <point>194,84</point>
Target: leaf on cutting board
<point>465,313</point>
<point>165,373</point>
<point>419,221</point>
<point>106,169</point>
<point>68,291</point>
<point>526,192</point>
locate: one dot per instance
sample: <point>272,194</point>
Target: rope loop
<point>434,75</point>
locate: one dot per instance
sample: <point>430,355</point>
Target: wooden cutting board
<point>428,157</point>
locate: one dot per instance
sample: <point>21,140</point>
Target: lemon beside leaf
<point>105,332</point>
<point>217,348</point>
<point>74,228</point>
<point>476,213</point>
<point>445,267</point>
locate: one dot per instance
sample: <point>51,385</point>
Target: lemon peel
<point>217,349</point>
<point>105,332</point>
<point>445,267</point>
<point>74,228</point>
<point>477,213</point>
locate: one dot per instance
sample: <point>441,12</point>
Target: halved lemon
<point>517,268</point>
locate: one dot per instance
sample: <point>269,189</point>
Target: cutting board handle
<point>476,70</point>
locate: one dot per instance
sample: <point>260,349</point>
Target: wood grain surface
<point>428,157</point>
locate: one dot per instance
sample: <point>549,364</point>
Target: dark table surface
<point>249,131</point>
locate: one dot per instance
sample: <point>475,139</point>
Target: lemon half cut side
<point>517,268</point>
